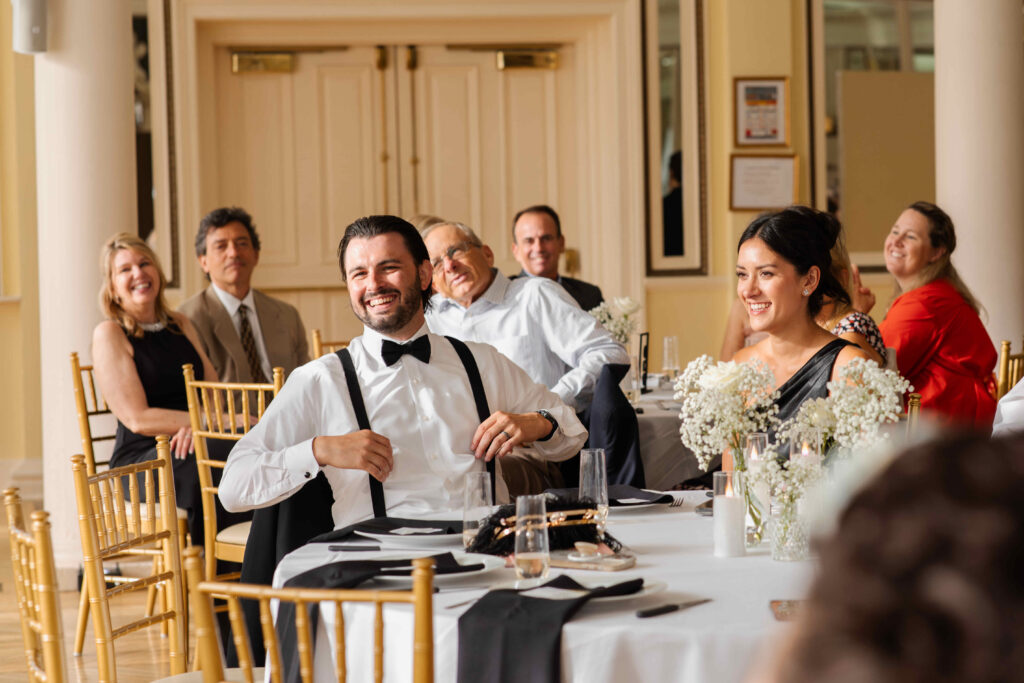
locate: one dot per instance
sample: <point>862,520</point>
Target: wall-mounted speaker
<point>29,26</point>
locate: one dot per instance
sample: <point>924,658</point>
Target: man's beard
<point>409,303</point>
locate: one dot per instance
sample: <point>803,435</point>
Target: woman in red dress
<point>933,323</point>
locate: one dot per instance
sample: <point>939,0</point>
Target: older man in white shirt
<point>424,434</point>
<point>533,321</point>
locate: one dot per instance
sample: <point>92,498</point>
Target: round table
<point>605,642</point>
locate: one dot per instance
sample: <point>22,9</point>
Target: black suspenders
<point>356,396</point>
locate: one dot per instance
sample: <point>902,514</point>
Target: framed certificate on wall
<point>761,111</point>
<point>762,182</point>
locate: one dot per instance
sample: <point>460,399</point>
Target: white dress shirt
<point>232,304</point>
<point>535,323</point>
<point>1010,412</point>
<point>426,410</point>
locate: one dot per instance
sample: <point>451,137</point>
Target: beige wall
<point>20,416</point>
<point>742,38</point>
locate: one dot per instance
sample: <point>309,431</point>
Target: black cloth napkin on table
<point>385,525</point>
<point>343,574</point>
<point>619,492</point>
<point>509,637</point>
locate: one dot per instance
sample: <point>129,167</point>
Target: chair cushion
<point>236,534</point>
<point>182,512</point>
<point>234,675</point>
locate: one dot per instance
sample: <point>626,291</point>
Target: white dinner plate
<point>651,587</point>
<point>416,540</point>
<point>489,562</point>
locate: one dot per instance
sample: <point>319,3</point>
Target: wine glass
<point>476,504</point>
<point>670,356</point>
<point>594,483</point>
<point>531,547</point>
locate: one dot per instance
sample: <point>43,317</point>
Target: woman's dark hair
<point>923,579</point>
<point>372,226</point>
<point>804,237</point>
<point>942,236</point>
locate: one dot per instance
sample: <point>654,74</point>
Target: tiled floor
<point>141,656</point>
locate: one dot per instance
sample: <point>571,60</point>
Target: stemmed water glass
<point>594,484</point>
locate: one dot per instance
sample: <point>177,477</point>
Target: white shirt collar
<point>526,273</point>
<point>373,340</point>
<point>495,293</point>
<point>231,302</point>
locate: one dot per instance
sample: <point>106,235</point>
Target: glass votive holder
<point>730,513</point>
<point>806,444</point>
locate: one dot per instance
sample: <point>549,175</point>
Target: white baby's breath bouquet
<point>615,316</point>
<point>861,399</point>
<point>721,404</point>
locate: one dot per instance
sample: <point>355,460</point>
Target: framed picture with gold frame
<point>762,182</point>
<point>761,111</point>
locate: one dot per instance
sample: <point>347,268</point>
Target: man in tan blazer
<point>244,332</point>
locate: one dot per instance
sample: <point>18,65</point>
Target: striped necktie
<point>249,344</point>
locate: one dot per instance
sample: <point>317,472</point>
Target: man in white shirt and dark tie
<point>424,434</point>
<point>531,320</point>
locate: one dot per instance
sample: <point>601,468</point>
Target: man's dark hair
<point>675,166</point>
<point>218,218</point>
<point>372,226</point>
<point>538,208</point>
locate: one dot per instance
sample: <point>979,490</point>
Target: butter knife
<point>672,607</point>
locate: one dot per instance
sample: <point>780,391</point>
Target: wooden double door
<point>404,130</point>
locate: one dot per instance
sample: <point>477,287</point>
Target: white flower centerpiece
<point>721,404</point>
<point>861,399</point>
<point>616,317</point>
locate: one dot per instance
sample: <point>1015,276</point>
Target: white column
<point>979,150</point>
<point>85,175</point>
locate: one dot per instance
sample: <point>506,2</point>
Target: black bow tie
<point>418,348</point>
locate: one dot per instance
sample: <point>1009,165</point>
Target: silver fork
<point>676,502</point>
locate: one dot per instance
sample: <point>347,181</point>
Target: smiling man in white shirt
<point>532,320</point>
<point>424,434</point>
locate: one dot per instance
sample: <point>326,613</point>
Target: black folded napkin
<point>343,574</point>
<point>385,525</point>
<point>620,492</point>
<point>509,637</point>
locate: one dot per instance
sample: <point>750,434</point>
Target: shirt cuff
<point>300,460</point>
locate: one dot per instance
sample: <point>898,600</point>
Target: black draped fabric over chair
<point>612,424</point>
<point>276,531</point>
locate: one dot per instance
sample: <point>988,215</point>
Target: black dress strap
<point>356,396</point>
<point>479,397</point>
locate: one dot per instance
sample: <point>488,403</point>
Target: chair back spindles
<point>322,346</point>
<point>113,523</point>
<point>88,404</point>
<point>221,410</point>
<point>35,587</point>
<point>211,659</point>
<point>1011,369</point>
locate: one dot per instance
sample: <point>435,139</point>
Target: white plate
<point>651,587</point>
<point>489,562</point>
<point>415,540</point>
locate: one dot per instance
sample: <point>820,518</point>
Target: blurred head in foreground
<point>924,578</point>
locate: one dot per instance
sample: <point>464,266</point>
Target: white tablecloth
<point>666,461</point>
<point>712,643</point>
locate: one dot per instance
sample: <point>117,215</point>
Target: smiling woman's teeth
<point>758,307</point>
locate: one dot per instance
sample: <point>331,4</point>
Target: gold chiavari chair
<point>913,414</point>
<point>89,404</point>
<point>35,585</point>
<point>111,524</point>
<point>210,657</point>
<point>222,410</point>
<point>1011,369</point>
<point>321,346</point>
